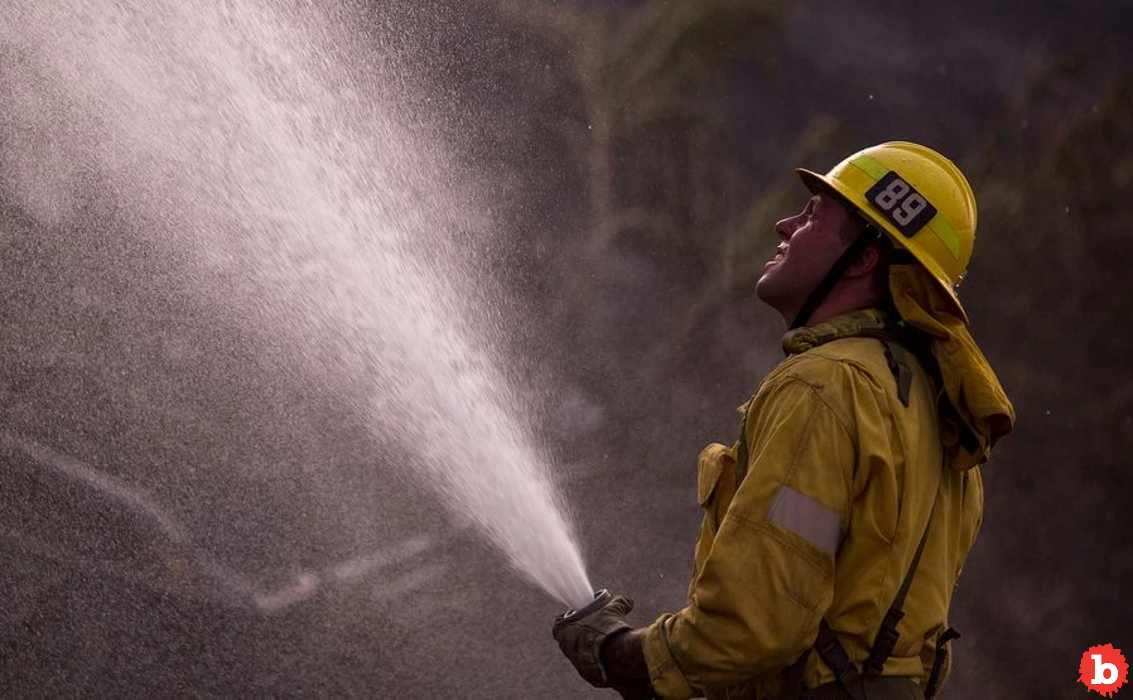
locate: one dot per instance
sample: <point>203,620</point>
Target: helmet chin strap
<point>816,297</point>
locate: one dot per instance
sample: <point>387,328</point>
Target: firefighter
<point>835,528</point>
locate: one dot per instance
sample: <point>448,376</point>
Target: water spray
<point>261,146</point>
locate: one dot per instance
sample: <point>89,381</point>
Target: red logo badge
<point>1103,669</point>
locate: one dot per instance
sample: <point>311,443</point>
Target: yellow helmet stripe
<point>870,167</point>
<point>940,226</point>
<point>947,235</point>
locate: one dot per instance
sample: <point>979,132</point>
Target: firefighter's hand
<point>623,658</point>
<point>581,639</point>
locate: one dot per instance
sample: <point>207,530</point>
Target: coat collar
<point>865,322</point>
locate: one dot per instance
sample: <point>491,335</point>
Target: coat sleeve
<point>769,576</point>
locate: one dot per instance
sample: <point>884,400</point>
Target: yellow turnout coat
<point>822,521</point>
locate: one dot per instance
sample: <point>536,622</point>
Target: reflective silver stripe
<point>807,518</point>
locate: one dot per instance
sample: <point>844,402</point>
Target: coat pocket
<point>715,481</point>
<point>709,464</point>
<point>710,467</point>
<point>715,486</point>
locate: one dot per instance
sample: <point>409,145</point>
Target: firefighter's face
<point>809,244</point>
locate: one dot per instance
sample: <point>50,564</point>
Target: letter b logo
<point>1105,672</point>
<point>1103,669</point>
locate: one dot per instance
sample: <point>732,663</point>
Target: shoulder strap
<point>887,635</point>
<point>829,648</point>
<point>899,346</point>
<point>834,655</point>
<point>898,359</point>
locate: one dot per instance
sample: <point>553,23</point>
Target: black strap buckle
<point>938,661</point>
<point>834,655</point>
<point>883,643</point>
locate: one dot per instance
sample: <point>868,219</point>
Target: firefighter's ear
<point>867,262</point>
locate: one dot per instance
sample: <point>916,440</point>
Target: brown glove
<point>581,638</point>
<point>623,658</point>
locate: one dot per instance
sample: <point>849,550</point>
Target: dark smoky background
<point>184,511</point>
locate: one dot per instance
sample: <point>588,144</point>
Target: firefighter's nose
<point>785,228</point>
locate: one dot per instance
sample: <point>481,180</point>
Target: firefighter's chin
<point>770,287</point>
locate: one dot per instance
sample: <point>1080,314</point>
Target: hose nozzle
<point>601,598</point>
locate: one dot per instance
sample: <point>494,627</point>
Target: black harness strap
<point>898,359</point>
<point>834,655</point>
<point>887,635</point>
<point>829,648</point>
<point>793,685</point>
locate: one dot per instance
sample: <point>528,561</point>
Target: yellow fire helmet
<point>919,198</point>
